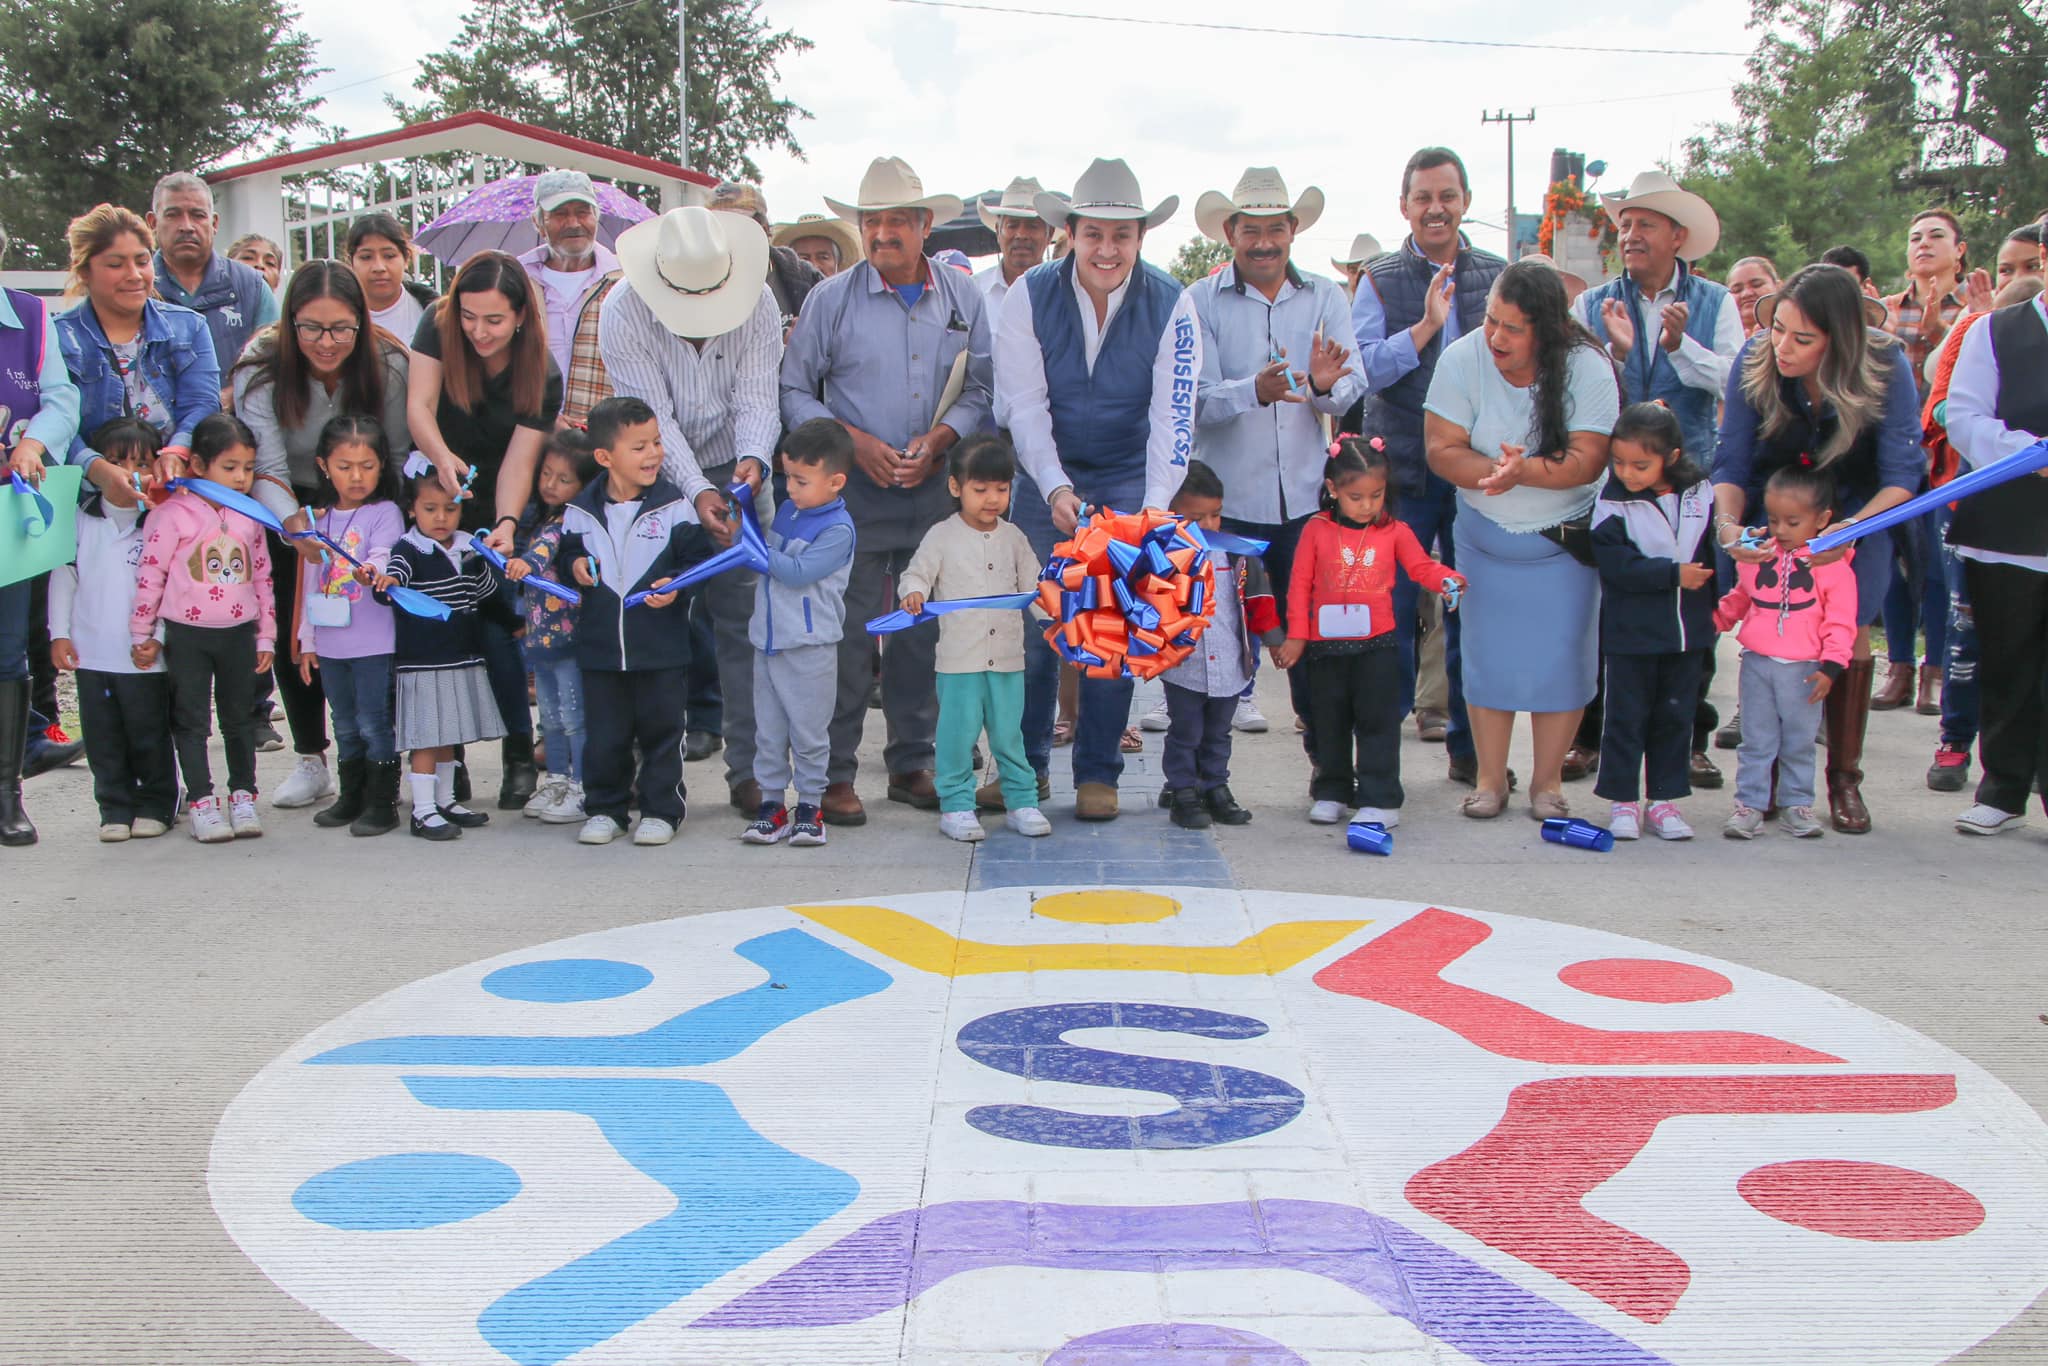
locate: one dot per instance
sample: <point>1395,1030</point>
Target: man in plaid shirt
<point>573,272</point>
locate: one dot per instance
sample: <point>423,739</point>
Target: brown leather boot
<point>842,805</point>
<point>1929,701</point>
<point>1848,715</point>
<point>1897,690</point>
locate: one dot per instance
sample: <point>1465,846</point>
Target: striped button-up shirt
<point>716,405</point>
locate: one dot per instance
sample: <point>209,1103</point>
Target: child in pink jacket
<point>1797,624</point>
<point>205,574</point>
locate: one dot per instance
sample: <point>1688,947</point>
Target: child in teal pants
<point>981,653</point>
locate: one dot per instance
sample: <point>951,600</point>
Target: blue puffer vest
<point>1401,279</point>
<point>229,298</point>
<point>1102,420</point>
<point>1649,374</point>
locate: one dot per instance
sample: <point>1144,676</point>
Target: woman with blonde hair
<point>1822,388</point>
<point>130,353</point>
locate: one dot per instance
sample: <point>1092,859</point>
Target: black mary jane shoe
<point>459,815</point>
<point>435,832</point>
<point>1224,808</point>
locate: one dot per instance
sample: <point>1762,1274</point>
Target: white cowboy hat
<point>1019,201</point>
<point>1261,193</point>
<point>1107,189</point>
<point>891,184</point>
<point>836,230</point>
<point>1363,248</point>
<point>700,272</point>
<point>1659,193</point>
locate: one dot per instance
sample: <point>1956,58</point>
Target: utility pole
<point>683,79</point>
<point>1503,116</point>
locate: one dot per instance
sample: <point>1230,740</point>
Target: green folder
<point>39,533</point>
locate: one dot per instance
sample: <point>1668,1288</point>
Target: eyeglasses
<point>312,332</point>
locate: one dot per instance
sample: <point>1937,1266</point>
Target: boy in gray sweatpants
<point>799,616</point>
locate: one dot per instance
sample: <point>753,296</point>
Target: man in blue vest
<point>1410,305</point>
<point>1097,356</point>
<point>1673,337</point>
<point>234,300</point>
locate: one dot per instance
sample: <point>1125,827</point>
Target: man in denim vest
<point>235,301</point>
<point>1673,338</point>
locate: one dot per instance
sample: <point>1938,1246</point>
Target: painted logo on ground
<point>1115,1126</point>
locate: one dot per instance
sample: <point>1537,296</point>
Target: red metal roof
<point>380,146</point>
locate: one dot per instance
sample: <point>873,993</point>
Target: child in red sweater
<point>1340,615</point>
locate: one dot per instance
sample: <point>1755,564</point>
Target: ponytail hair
<point>1655,428</point>
<point>1351,456</point>
<point>356,429</point>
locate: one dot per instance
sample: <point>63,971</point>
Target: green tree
<point>606,71</point>
<point>1197,257</point>
<point>98,98</point>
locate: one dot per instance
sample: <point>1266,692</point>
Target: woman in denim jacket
<point>129,353</point>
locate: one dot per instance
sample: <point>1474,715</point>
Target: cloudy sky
<point>971,99</point>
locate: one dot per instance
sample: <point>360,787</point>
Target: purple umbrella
<point>499,217</point>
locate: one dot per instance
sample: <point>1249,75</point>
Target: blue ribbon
<point>749,550</point>
<point>220,495</point>
<point>547,586</point>
<point>2029,461</point>
<point>901,620</point>
<point>411,601</point>
<point>40,514</point>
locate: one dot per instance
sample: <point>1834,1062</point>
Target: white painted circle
<point>878,1088</point>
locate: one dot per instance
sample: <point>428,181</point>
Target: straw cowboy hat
<point>1019,201</point>
<point>1260,193</point>
<point>1659,193</point>
<point>891,184</point>
<point>1363,248</point>
<point>700,272</point>
<point>1575,284</point>
<point>835,230</point>
<point>1107,189</point>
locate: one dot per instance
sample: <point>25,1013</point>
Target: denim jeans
<point>1960,705</point>
<point>1430,515</point>
<point>1920,589</point>
<point>359,694</point>
<point>558,687</point>
<point>1105,706</point>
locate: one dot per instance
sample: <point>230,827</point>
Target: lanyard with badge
<point>1346,620</point>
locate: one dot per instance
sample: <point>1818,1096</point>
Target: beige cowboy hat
<point>1107,189</point>
<point>1261,193</point>
<point>1019,201</point>
<point>891,184</point>
<point>1363,248</point>
<point>1575,284</point>
<point>700,272</point>
<point>1659,193</point>
<point>1874,311</point>
<point>836,230</point>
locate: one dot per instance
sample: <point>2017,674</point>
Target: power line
<point>367,80</point>
<point>1319,33</point>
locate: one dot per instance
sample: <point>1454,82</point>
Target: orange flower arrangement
<point>1563,201</point>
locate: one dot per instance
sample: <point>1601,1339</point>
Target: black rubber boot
<point>521,777</point>
<point>462,792</point>
<point>348,773</point>
<point>379,815</point>
<point>15,827</point>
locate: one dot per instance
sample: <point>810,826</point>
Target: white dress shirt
<point>1023,401</point>
<point>716,406</point>
<point>1697,366</point>
<point>1974,428</point>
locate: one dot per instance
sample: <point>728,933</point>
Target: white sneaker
<point>1029,821</point>
<point>548,794</point>
<point>653,832</point>
<point>147,827</point>
<point>1666,823</point>
<point>1625,821</point>
<point>1743,823</point>
<point>1326,813</point>
<point>568,805</point>
<point>209,826</point>
<point>1157,719</point>
<point>1373,815</point>
<point>114,834</point>
<point>599,830</point>
<point>1248,718</point>
<point>309,781</point>
<point>962,825</point>
<point>242,816</point>
<point>1988,820</point>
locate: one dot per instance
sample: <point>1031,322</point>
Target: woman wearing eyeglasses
<point>325,360</point>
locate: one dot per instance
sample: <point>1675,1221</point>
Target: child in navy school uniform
<point>1656,565</point>
<point>631,531</point>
